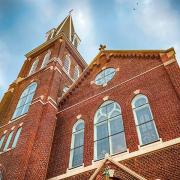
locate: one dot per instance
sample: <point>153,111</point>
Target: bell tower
<point>29,107</point>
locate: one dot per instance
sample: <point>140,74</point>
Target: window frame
<point>108,121</point>
<point>72,148</point>
<point>22,96</point>
<point>33,67</point>
<point>46,59</point>
<point>76,73</point>
<point>103,76</point>
<point>16,137</point>
<point>8,141</point>
<point>67,60</point>
<point>134,108</point>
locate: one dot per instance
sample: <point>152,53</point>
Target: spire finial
<point>70,12</point>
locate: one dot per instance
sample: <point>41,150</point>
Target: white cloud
<point>84,26</point>
<point>157,19</point>
<point>48,12</point>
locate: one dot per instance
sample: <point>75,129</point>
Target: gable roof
<point>108,54</point>
<point>119,165</point>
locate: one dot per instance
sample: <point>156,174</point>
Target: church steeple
<point>66,27</point>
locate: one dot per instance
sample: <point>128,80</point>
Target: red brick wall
<point>155,84</point>
<point>30,158</point>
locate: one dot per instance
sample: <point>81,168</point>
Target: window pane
<point>140,102</point>
<point>102,130</point>
<point>77,157</point>
<point>16,137</point>
<point>105,76</point>
<point>29,98</point>
<point>148,132</point>
<point>78,139</point>
<point>102,148</point>
<point>109,77</point>
<point>8,141</point>
<point>100,81</point>
<point>21,101</point>
<point>110,108</point>
<point>18,112</point>
<point>143,114</point>
<point>80,126</point>
<point>25,108</point>
<point>101,115</point>
<point>116,125</point>
<point>118,143</point>
<point>109,71</point>
<point>25,92</point>
<point>113,114</point>
<point>32,88</point>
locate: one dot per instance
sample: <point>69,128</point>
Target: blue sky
<point>154,24</point>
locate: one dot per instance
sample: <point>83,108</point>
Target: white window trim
<point>72,144</point>
<point>135,117</point>
<point>15,118</point>
<point>67,57</point>
<point>46,59</point>
<point>109,136</point>
<point>76,73</point>
<point>8,141</point>
<point>33,67</point>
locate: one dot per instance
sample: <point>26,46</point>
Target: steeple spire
<point>66,27</point>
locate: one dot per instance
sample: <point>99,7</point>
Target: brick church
<point>117,118</point>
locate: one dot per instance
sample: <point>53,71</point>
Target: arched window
<point>46,59</point>
<point>25,100</point>
<point>16,137</point>
<point>33,67</point>
<point>77,145</point>
<point>2,140</point>
<point>8,141</point>
<point>76,73</point>
<point>145,124</point>
<point>109,134</point>
<point>67,63</point>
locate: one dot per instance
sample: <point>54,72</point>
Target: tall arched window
<point>33,67</point>
<point>145,124</point>
<point>25,100</point>
<point>77,145</point>
<point>76,73</point>
<point>67,63</point>
<point>8,141</point>
<point>16,137</point>
<point>109,134</point>
<point>2,140</point>
<point>46,59</point>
